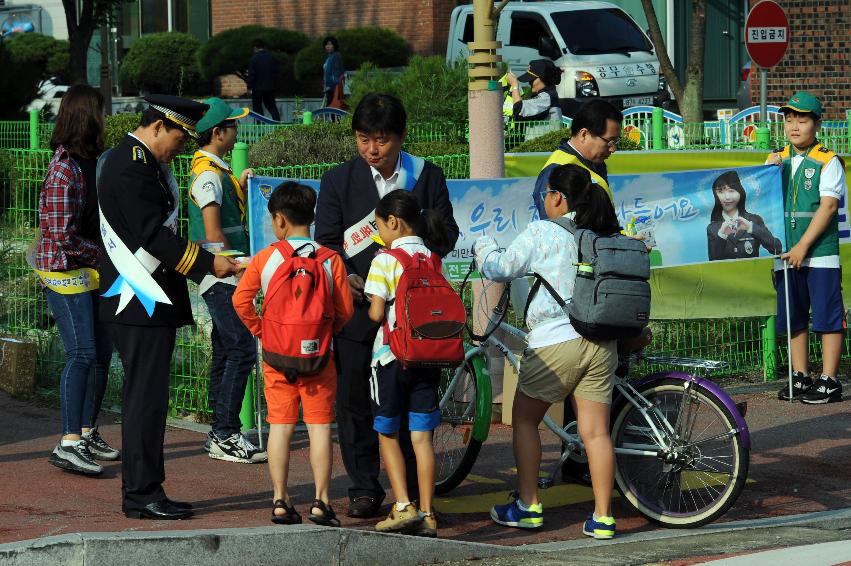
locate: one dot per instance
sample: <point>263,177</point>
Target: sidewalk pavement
<point>799,464</point>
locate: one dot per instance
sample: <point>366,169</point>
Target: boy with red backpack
<point>306,300</point>
<point>422,320</point>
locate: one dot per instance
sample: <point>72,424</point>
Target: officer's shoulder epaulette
<point>138,154</point>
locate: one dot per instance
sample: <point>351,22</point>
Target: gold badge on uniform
<point>139,154</point>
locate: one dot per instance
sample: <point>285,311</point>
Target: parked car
<point>600,49</point>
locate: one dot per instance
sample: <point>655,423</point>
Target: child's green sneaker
<point>602,528</point>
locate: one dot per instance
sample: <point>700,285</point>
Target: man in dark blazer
<point>143,274</point>
<point>345,222</point>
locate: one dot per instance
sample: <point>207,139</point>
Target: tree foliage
<point>228,52</point>
<point>49,57</point>
<point>379,46</point>
<point>430,89</point>
<point>164,63</point>
<point>82,17</point>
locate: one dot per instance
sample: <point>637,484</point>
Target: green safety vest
<point>801,199</point>
<point>233,207</point>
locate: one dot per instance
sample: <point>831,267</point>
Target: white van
<point>600,49</point>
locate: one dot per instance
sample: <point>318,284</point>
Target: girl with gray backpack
<point>558,361</point>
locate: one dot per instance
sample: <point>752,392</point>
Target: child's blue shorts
<point>396,391</point>
<point>811,288</point>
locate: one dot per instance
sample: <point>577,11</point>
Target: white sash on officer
<point>358,236</point>
<point>135,268</point>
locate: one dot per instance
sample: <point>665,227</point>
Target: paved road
<point>800,463</point>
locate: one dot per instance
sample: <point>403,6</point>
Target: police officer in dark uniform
<point>143,273</point>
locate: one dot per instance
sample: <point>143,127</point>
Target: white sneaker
<point>99,448</point>
<point>236,448</point>
<point>75,458</point>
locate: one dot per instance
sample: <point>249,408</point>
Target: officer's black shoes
<point>364,507</point>
<point>160,510</point>
<point>824,390</point>
<point>800,384</point>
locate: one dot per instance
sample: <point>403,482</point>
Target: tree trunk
<point>661,50</point>
<point>78,51</point>
<point>691,107</point>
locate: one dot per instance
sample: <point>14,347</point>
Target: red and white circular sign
<point>767,34</point>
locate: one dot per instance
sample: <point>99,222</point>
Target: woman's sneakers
<point>74,456</point>
<point>515,514</point>
<point>99,448</point>
<point>600,528</point>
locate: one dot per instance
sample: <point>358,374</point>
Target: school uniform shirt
<point>382,281</point>
<point>831,184</point>
<point>250,284</point>
<point>549,250</point>
<point>207,189</point>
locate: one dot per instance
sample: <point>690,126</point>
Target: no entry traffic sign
<point>766,34</point>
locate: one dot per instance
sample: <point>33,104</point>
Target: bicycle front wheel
<point>702,471</point>
<point>455,449</point>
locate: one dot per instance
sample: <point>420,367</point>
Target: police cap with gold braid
<point>182,112</point>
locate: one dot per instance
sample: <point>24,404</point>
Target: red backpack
<point>298,312</point>
<point>430,316</point>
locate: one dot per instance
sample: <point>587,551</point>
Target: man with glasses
<point>595,133</point>
<point>217,221</point>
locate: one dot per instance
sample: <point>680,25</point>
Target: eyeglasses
<point>613,143</point>
<point>543,195</point>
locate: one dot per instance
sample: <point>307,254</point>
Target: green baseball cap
<point>803,102</point>
<point>219,112</point>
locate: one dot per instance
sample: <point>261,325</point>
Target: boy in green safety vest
<point>217,209</point>
<point>813,188</point>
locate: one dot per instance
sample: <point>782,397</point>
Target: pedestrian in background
<point>68,249</point>
<point>333,72</point>
<point>262,79</point>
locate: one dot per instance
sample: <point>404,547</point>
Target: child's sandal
<point>328,518</point>
<point>290,516</point>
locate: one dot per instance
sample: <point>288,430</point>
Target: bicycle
<point>682,445</point>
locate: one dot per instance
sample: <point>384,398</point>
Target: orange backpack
<point>298,312</point>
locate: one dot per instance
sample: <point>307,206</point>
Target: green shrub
<point>327,142</point>
<point>228,52</point>
<point>551,140</point>
<point>27,59</point>
<point>428,88</point>
<point>322,142</point>
<point>382,47</point>
<point>164,63</point>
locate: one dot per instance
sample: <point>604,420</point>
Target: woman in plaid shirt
<point>66,256</point>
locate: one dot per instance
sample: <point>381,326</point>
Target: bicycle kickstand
<point>546,481</point>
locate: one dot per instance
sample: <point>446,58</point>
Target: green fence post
<point>763,138</point>
<point>307,117</point>
<point>239,158</point>
<point>239,163</point>
<point>658,125</point>
<point>769,349</point>
<point>33,129</point>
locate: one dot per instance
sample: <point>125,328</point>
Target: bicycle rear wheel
<point>455,449</point>
<point>700,476</point>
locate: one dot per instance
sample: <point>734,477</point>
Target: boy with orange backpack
<point>421,332</point>
<point>306,300</point>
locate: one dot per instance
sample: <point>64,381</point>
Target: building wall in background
<point>818,59</point>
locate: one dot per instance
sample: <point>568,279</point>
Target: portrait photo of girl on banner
<point>733,232</point>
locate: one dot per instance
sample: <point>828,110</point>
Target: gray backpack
<point>611,296</point>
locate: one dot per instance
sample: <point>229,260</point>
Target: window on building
<point>154,16</point>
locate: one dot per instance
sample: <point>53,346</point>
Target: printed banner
<point>699,270</point>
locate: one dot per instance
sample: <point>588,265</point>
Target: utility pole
<point>487,151</point>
